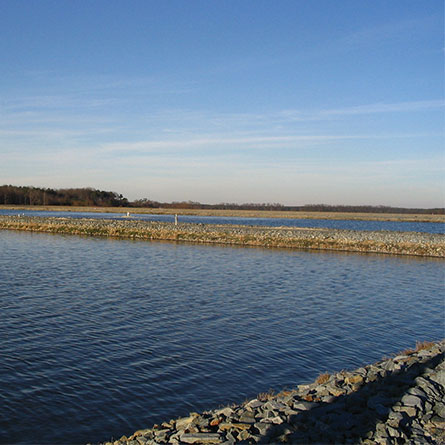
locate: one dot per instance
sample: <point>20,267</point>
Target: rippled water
<point>273,222</point>
<point>102,337</point>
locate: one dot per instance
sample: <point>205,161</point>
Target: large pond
<point>102,337</point>
<point>401,226</point>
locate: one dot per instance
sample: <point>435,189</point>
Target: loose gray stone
<point>201,422</point>
<point>394,418</point>
<point>361,371</point>
<point>275,420</point>
<point>388,365</point>
<point>439,377</point>
<point>439,409</point>
<point>272,405</point>
<point>247,417</point>
<point>290,412</point>
<point>161,433</point>
<point>393,432</point>
<point>334,390</point>
<point>253,404</point>
<point>201,438</point>
<point>410,400</point>
<point>410,411</point>
<point>227,412</point>
<point>265,415</point>
<point>262,427</point>
<point>183,422</point>
<point>417,392</point>
<point>303,405</point>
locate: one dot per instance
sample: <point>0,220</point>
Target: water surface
<point>102,337</point>
<point>401,226</point>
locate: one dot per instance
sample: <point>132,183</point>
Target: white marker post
<point>176,219</point>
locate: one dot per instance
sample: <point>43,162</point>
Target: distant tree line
<point>276,206</point>
<point>21,195</point>
<point>10,194</point>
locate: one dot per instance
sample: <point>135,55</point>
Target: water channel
<point>102,337</point>
<point>402,226</point>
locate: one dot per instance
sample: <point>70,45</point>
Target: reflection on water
<point>101,337</point>
<point>272,222</point>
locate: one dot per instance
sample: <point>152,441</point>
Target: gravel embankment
<point>298,214</point>
<point>395,401</point>
<point>402,243</point>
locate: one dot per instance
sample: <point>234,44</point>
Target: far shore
<point>401,217</point>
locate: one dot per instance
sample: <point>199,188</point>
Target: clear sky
<point>290,101</point>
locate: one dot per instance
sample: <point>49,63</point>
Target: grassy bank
<point>243,213</point>
<point>401,243</point>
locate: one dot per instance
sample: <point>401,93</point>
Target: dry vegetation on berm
<point>241,213</point>
<point>400,243</point>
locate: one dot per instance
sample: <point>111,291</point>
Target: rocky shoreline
<point>398,400</point>
<point>388,242</point>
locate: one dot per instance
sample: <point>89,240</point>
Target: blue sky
<point>294,101</point>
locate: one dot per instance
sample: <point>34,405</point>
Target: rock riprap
<point>395,401</point>
<point>400,243</point>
